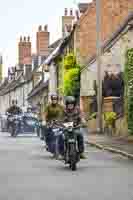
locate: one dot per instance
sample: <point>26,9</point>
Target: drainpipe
<point>98,57</point>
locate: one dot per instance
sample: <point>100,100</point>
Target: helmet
<point>70,100</point>
<point>54,97</point>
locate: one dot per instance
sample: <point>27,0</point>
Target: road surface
<point>27,172</point>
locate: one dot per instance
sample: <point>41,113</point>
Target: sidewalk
<point>122,145</point>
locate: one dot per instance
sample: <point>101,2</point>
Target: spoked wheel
<point>73,157</point>
<point>73,166</point>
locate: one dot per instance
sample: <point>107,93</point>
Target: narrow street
<point>28,172</point>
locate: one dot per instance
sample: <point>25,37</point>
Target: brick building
<point>113,14</point>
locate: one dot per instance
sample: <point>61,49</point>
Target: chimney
<point>42,41</point>
<point>67,21</point>
<point>24,51</point>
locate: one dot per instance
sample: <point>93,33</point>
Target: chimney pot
<point>71,12</point>
<point>40,28</point>
<point>66,11</point>
<point>28,38</point>
<point>20,38</point>
<point>46,28</point>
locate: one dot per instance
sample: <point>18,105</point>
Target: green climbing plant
<point>129,88</point>
<point>71,70</point>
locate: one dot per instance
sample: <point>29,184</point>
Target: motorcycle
<point>63,140</point>
<point>14,124</point>
<point>55,145</point>
<point>31,124</point>
<point>71,152</point>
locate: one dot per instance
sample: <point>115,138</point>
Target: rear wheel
<point>56,149</point>
<point>12,131</point>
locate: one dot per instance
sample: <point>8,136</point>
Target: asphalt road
<point>27,172</point>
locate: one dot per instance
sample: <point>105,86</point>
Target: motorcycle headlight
<point>70,129</point>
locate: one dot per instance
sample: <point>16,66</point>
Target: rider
<point>54,111</point>
<point>13,110</point>
<point>72,113</point>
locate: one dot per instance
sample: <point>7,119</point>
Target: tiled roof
<point>83,7</point>
<point>54,44</point>
<point>41,86</point>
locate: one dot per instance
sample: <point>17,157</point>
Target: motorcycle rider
<point>72,113</point>
<point>54,111</point>
<point>13,110</point>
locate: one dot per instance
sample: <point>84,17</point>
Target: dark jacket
<point>74,116</point>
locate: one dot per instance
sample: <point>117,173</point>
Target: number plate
<point>55,130</point>
<point>71,140</point>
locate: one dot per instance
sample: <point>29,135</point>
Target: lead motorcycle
<point>64,141</point>
<point>71,152</point>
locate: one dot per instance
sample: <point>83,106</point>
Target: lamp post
<point>98,57</point>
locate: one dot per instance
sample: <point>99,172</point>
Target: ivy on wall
<point>71,84</point>
<point>129,88</point>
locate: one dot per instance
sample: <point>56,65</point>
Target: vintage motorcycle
<point>31,124</point>
<point>55,144</point>
<point>71,152</point>
<point>63,140</point>
<point>14,122</point>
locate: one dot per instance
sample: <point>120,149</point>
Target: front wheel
<point>73,157</point>
<point>73,166</point>
<point>13,131</point>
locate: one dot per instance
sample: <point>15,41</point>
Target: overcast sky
<point>22,17</point>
